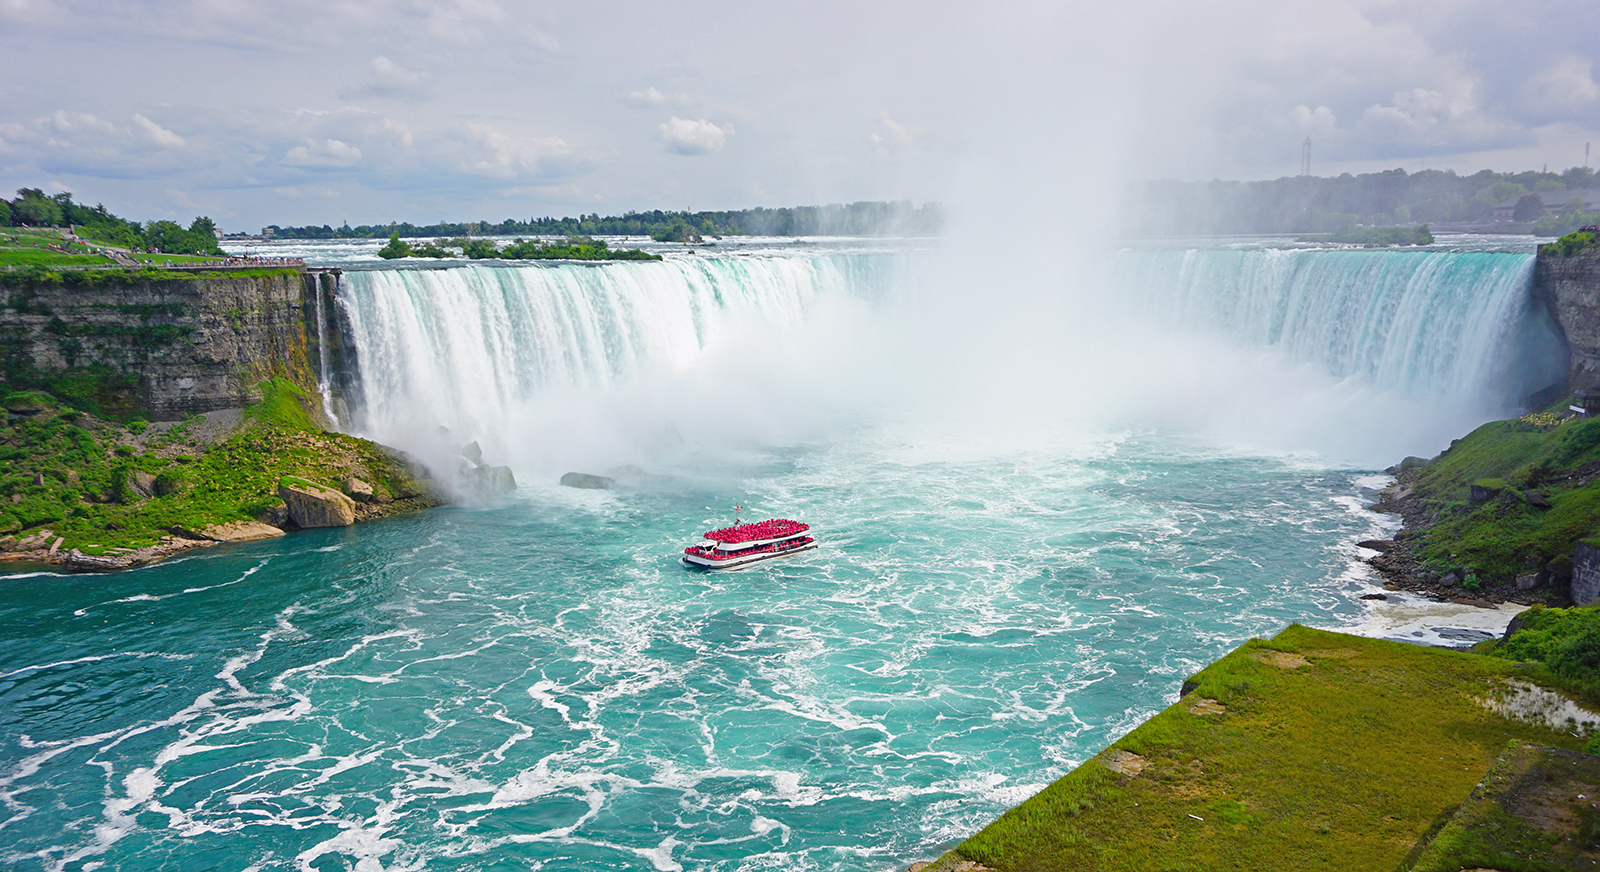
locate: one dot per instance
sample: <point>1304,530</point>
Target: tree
<point>33,209</point>
<point>395,249</point>
<point>5,214</point>
<point>1529,208</point>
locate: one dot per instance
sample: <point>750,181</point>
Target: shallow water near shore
<point>540,683</point>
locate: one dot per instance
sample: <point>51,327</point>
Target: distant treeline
<point>32,208</point>
<point>574,248</point>
<point>899,218</point>
<point>1310,204</point>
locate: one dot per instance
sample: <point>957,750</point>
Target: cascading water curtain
<point>1458,324</point>
<point>466,344</point>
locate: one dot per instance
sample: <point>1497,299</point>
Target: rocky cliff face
<point>1570,286</point>
<point>185,344</point>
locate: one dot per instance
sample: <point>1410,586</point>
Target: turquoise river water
<point>531,681</point>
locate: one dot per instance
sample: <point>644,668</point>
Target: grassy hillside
<point>1511,498</point>
<point>84,478</point>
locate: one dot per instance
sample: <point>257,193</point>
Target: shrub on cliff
<point>1565,641</point>
<point>1568,245</point>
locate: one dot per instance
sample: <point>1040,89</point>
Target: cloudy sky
<point>323,111</point>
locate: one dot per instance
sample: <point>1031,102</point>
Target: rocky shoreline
<point>307,506</point>
<point>1402,568</point>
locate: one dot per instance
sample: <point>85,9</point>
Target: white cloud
<point>1566,85</point>
<point>890,136</point>
<point>391,80</point>
<point>156,133</point>
<point>1314,122</point>
<point>683,136</point>
<point>481,150</point>
<point>647,98</point>
<point>26,11</point>
<point>326,153</point>
<point>64,141</point>
<point>1426,116</point>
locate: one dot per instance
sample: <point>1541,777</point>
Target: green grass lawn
<point>28,246</point>
<point>1322,752</point>
<point>22,246</point>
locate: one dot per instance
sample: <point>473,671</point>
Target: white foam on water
<point>1411,618</point>
<point>365,846</point>
<point>93,659</point>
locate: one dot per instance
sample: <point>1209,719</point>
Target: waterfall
<point>473,348</point>
<point>1441,324</point>
<point>585,363</point>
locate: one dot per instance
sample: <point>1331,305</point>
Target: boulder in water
<point>587,481</point>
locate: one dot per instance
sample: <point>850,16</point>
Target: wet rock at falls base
<point>586,480</point>
<point>492,480</point>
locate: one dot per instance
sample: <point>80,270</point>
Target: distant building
<point>1554,202</point>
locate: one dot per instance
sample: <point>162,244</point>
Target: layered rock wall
<point>1570,286</point>
<point>187,344</point>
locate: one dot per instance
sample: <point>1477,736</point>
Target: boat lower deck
<point>740,561</point>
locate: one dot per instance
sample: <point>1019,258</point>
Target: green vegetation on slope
<point>1534,812</point>
<point>1568,245</point>
<point>79,476</point>
<point>1565,643</point>
<point>1512,498</point>
<point>1312,751</point>
<point>27,247</point>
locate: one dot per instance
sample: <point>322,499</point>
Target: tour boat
<point>743,544</point>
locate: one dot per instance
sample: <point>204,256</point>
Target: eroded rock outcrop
<point>313,505</point>
<point>1570,287</point>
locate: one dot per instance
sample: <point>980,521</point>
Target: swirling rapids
<point>539,685</point>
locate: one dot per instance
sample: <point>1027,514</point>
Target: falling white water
<point>592,364</point>
<point>1426,323</point>
<point>512,354</point>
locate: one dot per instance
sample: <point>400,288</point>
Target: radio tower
<point>1305,158</point>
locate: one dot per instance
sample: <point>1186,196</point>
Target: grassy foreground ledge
<point>1312,750</point>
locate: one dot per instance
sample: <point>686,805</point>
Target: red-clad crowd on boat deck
<point>770,529</point>
<point>713,554</point>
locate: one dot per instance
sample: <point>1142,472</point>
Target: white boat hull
<point>741,562</point>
